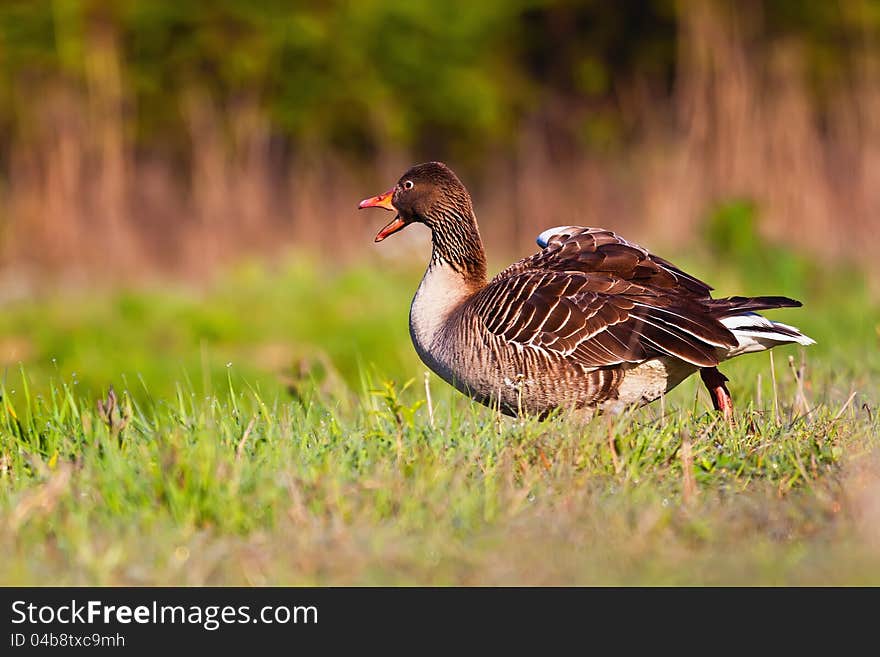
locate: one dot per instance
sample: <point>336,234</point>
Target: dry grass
<point>78,196</point>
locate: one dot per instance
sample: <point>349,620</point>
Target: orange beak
<point>383,201</point>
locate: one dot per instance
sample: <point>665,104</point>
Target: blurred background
<point>200,163</point>
<point>178,191</point>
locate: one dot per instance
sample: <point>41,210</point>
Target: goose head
<point>430,194</point>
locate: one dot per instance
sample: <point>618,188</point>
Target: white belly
<point>647,381</point>
<point>440,292</point>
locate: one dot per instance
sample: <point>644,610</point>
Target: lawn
<point>275,427</point>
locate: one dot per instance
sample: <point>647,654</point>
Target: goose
<point>590,323</point>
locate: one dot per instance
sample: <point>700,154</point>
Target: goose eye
<point>408,184</point>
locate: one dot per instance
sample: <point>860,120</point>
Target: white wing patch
<point>545,237</point>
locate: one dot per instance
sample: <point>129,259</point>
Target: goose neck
<point>456,244</point>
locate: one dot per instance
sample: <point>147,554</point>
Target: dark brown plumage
<point>590,321</point>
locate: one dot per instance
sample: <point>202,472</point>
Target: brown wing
<point>597,299</point>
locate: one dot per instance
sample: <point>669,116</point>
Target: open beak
<point>383,201</point>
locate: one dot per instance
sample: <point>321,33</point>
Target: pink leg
<point>721,398</point>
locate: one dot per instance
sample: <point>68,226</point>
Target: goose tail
<point>755,332</point>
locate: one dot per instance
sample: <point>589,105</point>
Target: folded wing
<point>594,298</point>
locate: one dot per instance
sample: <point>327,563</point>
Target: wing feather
<point>593,297</point>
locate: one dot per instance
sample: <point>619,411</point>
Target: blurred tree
<point>444,75</point>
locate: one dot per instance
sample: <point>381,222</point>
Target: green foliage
<point>233,488</point>
<point>731,229</point>
<point>732,233</point>
<point>304,463</point>
<point>452,75</point>
<point>840,311</point>
<point>276,328</point>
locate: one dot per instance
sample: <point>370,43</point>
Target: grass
<point>306,461</point>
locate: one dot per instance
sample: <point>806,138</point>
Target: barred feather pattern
<point>456,239</point>
<point>565,327</point>
<point>591,321</point>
